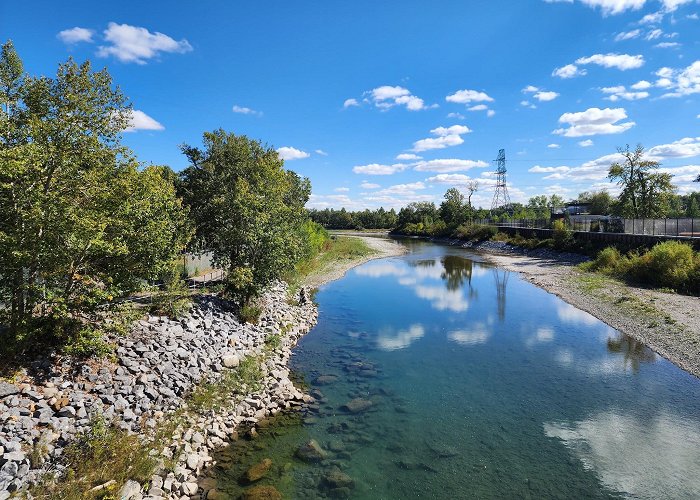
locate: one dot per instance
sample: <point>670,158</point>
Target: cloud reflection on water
<point>656,458</point>
<point>478,333</point>
<point>402,339</point>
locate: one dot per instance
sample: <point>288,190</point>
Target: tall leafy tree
<point>247,209</point>
<point>645,191</point>
<point>453,209</point>
<point>81,222</point>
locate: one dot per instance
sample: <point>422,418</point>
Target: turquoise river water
<point>439,376</point>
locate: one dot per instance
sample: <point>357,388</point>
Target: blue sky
<point>384,103</point>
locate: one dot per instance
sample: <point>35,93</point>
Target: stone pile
<point>155,368</point>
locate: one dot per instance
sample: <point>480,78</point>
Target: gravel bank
<point>666,322</point>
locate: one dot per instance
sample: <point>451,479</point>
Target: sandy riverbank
<point>381,246</point>
<point>668,323</point>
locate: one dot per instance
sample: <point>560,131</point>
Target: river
<point>440,376</point>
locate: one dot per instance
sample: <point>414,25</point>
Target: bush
<point>669,264</point>
<point>475,232</point>
<point>561,235</point>
<point>250,313</point>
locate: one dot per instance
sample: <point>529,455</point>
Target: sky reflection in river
<point>477,384</point>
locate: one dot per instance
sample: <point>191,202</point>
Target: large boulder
<point>262,493</point>
<point>358,405</point>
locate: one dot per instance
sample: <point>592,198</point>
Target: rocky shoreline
<point>156,367</point>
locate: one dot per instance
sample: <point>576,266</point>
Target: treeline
<point>84,224</point>
<point>365,219</point>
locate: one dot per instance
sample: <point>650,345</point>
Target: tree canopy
<point>247,210</point>
<point>82,222</point>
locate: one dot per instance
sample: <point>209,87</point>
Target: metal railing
<point>680,227</point>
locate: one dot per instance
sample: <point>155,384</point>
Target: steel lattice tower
<point>501,199</point>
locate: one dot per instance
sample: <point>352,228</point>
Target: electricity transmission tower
<point>501,199</point>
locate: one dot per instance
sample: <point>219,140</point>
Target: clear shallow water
<point>481,386</point>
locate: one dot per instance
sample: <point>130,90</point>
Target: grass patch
<point>99,456</point>
<point>339,248</point>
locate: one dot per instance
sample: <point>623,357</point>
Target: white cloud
<point>653,18</point>
<point>350,102</point>
<point>667,45</point>
<point>408,156</point>
<point>369,185</point>
<point>245,111</point>
<point>478,107</point>
<point>683,148</point>
<point>654,34</point>
<point>641,85</point>
<point>548,170</point>
<point>141,121</point>
<point>553,146</point>
<point>402,189</point>
<point>449,165</point>
<point>628,35</point>
<point>490,113</point>
<point>446,137</point>
<point>341,189</point>
<point>620,92</point>
<point>586,144</point>
<point>320,152</point>
<point>457,180</point>
<point>594,121</point>
<point>135,44</point>
<point>468,96</point>
<point>378,169</point>
<point>528,104</point>
<point>386,97</point>
<point>608,6</point>
<point>288,153</point>
<point>681,82</point>
<point>544,96</point>
<point>458,116</point>
<point>620,61</point>
<point>568,71</point>
<point>539,94</point>
<point>76,35</point>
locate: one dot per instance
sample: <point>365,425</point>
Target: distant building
<point>577,208</point>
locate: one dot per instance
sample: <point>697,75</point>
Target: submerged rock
<point>258,471</point>
<point>325,379</point>
<point>262,493</point>
<point>311,452</point>
<point>338,479</point>
<point>358,405</point>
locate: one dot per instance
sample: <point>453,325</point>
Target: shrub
<point>607,261</point>
<point>250,313</point>
<point>669,264</point>
<point>475,232</point>
<point>561,235</point>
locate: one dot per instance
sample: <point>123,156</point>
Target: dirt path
<point>382,247</point>
<point>666,322</point>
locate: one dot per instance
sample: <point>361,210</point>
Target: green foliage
<point>82,224</point>
<point>101,454</point>
<point>365,219</point>
<point>475,232</point>
<point>250,313</point>
<point>213,395</point>
<point>561,235</point>
<point>645,191</point>
<point>670,264</point>
<point>174,301</point>
<point>247,210</point>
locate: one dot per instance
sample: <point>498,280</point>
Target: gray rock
<point>8,389</point>
<point>130,491</point>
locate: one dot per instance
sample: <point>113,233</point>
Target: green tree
<point>82,224</point>
<point>247,210</point>
<point>645,191</point>
<point>600,201</point>
<point>453,209</point>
